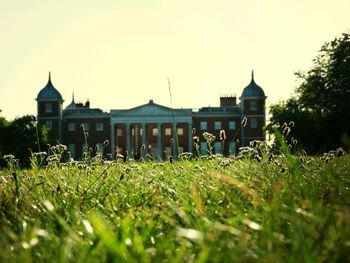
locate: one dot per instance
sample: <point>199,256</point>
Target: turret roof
<point>253,90</point>
<point>49,93</point>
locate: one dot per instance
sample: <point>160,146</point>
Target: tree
<point>21,137</point>
<point>3,129</point>
<point>320,108</point>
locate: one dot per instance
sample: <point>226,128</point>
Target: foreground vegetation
<point>258,207</point>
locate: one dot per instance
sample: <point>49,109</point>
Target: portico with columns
<point>161,130</point>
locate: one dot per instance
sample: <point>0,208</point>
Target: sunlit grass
<point>280,208</point>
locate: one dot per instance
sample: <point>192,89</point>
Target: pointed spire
<point>49,83</point>
<point>73,97</point>
<point>252,74</point>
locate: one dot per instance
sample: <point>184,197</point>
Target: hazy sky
<point>119,53</point>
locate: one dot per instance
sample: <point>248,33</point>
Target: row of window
<point>253,106</point>
<point>252,122</point>
<point>217,125</point>
<point>72,126</point>
<point>217,148</point>
<point>98,127</point>
<point>72,148</point>
<point>167,132</point>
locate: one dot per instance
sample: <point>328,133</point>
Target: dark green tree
<point>3,129</point>
<point>320,108</point>
<point>22,137</point>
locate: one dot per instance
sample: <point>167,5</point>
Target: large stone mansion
<point>162,130</point>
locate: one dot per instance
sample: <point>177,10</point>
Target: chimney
<point>228,100</point>
<point>87,104</point>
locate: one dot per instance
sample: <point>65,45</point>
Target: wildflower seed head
<point>244,121</point>
<point>258,158</point>
<point>143,147</point>
<point>286,131</point>
<point>194,131</point>
<point>106,143</point>
<point>284,126</point>
<point>196,139</point>
<point>222,135</point>
<point>171,141</point>
<point>291,124</point>
<point>209,137</point>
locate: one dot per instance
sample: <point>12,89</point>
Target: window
<point>253,123</point>
<point>180,131</point>
<point>232,148</point>
<point>155,131</point>
<point>218,147</point>
<point>231,125</point>
<point>86,126</point>
<point>217,125</point>
<point>99,126</point>
<point>204,148</point>
<point>48,107</point>
<point>71,149</point>
<point>119,132</point>
<point>48,125</point>
<point>167,131</point>
<point>71,126</point>
<point>204,125</point>
<point>253,105</point>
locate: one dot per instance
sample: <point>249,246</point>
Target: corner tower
<point>253,108</point>
<point>50,105</point>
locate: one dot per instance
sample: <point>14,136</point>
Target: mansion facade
<point>159,130</point>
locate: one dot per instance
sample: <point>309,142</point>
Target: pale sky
<point>119,53</point>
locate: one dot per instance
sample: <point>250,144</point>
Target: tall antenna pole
<point>174,122</point>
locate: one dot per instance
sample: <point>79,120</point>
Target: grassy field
<point>259,207</point>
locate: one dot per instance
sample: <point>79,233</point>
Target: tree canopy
<point>21,136</point>
<point>320,107</point>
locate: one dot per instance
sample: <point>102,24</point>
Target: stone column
<point>128,137</point>
<point>159,141</point>
<point>190,138</point>
<point>112,141</point>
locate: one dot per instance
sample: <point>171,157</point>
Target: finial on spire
<point>252,74</point>
<point>73,97</point>
<point>49,75</point>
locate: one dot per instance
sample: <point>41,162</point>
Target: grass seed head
<point>222,135</point>
<point>244,121</point>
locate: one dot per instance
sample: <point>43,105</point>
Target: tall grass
<point>266,205</point>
